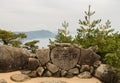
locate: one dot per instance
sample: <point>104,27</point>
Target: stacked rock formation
<point>59,60</point>
<point>66,60</point>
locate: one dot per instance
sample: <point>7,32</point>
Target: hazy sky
<point>27,15</point>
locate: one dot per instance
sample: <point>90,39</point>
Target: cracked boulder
<point>65,56</point>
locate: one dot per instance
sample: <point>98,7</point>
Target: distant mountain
<point>38,34</point>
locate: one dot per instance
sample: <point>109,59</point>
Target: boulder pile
<point>63,60</point>
<point>59,60</point>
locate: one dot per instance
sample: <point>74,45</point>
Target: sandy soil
<point>6,76</point>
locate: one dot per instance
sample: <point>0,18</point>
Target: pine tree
<point>87,30</point>
<point>10,38</point>
<point>31,45</point>
<point>63,35</point>
<point>92,33</point>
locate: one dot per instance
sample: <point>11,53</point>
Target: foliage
<point>92,33</point>
<point>113,59</point>
<point>10,38</point>
<point>31,45</point>
<point>63,35</point>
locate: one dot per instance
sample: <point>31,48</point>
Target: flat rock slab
<point>54,81</point>
<point>19,77</point>
<point>65,57</point>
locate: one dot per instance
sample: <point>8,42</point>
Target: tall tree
<point>10,38</point>
<point>31,45</point>
<point>92,33</point>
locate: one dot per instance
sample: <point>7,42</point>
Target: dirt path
<point>6,76</point>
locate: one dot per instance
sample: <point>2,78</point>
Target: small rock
<point>26,72</point>
<point>91,69</point>
<point>3,81</point>
<point>69,75</point>
<point>78,66</point>
<point>63,73</point>
<point>85,75</point>
<point>106,74</point>
<point>51,67</point>
<point>40,71</point>
<point>19,77</point>
<point>85,68</point>
<point>47,74</point>
<point>33,74</point>
<point>97,64</point>
<point>74,71</point>
<point>57,74</point>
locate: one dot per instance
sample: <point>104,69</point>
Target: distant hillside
<point>38,34</point>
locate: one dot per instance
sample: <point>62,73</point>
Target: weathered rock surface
<point>52,68</point>
<point>12,58</point>
<point>88,57</point>
<point>65,56</point>
<point>105,74</point>
<point>85,75</point>
<point>43,55</point>
<point>19,77</point>
<point>33,64</point>
<point>3,81</point>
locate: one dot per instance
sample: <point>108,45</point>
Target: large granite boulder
<point>12,58</point>
<point>43,55</point>
<point>65,56</point>
<point>105,74</point>
<point>88,57</point>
